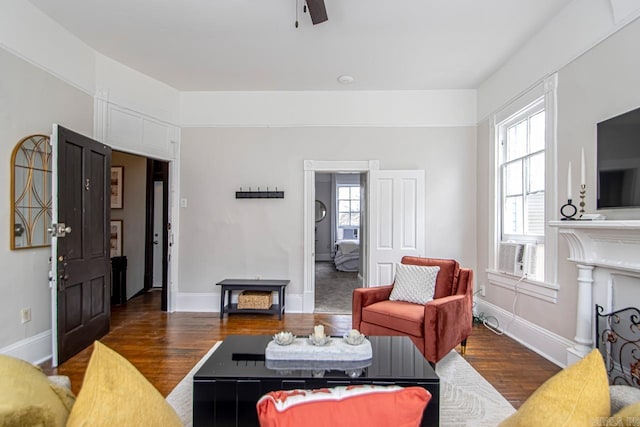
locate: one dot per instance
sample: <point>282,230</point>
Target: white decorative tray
<point>302,350</point>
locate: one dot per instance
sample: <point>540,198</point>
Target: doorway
<point>144,217</point>
<point>338,261</point>
<point>394,218</point>
<point>311,169</point>
<point>157,229</point>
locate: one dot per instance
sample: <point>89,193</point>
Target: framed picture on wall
<point>115,237</point>
<point>117,186</point>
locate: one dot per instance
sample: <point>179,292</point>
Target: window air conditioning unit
<point>517,259</point>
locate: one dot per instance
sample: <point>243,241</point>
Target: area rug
<point>466,398</point>
<point>334,289</point>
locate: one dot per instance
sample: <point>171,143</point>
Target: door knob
<point>59,230</point>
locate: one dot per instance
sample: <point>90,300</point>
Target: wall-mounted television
<point>618,160</point>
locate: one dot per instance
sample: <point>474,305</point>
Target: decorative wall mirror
<point>31,193</point>
<point>321,211</point>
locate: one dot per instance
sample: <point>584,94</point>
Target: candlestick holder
<point>583,191</point>
<point>568,211</point>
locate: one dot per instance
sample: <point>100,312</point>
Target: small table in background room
<point>229,285</point>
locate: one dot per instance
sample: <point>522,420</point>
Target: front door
<point>81,268</point>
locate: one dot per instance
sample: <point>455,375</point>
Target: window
<point>348,206</point>
<point>521,159</point>
<point>525,250</point>
<point>522,169</point>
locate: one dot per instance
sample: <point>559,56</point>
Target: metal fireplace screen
<point>618,340</point>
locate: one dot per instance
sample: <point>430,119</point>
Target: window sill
<point>540,290</point>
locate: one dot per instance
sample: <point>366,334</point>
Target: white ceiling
<point>253,45</point>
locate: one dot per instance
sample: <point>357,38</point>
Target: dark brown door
<point>81,247</point>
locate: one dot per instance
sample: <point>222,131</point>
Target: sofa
<point>435,326</point>
<point>113,393</point>
<point>579,395</point>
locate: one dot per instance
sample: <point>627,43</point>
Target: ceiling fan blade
<point>317,11</point>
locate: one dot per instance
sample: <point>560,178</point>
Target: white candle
<point>569,182</point>
<point>318,331</point>
<point>582,173</point>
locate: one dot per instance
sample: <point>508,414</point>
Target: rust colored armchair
<point>436,327</point>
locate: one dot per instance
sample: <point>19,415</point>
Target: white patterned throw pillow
<point>414,283</point>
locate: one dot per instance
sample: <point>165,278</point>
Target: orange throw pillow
<point>352,405</point>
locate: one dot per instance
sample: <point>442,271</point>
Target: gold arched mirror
<point>31,193</point>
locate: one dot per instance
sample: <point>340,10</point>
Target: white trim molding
<point>547,344</point>
<point>134,132</point>
<point>540,290</point>
<point>35,349</point>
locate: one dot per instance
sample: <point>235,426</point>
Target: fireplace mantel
<point>597,244</point>
<point>609,244</point>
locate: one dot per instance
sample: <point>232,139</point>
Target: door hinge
<point>59,230</point>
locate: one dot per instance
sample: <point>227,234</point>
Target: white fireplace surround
<point>598,245</point>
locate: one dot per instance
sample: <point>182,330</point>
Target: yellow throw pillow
<point>574,396</point>
<point>28,398</point>
<point>115,393</point>
<point>629,416</point>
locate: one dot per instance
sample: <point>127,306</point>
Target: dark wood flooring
<point>165,346</point>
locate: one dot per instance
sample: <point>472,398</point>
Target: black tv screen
<point>618,158</point>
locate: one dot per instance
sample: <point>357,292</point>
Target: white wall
<point>433,108</point>
<point>133,216</point>
<point>603,82</point>
<point>125,87</point>
<point>32,35</point>
<point>31,101</point>
<point>578,27</point>
<point>222,237</point>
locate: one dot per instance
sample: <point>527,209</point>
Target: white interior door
<point>158,240</point>
<point>396,221</point>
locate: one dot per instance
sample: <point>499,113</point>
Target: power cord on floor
<point>491,322</point>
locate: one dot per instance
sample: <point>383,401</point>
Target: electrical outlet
<point>483,290</point>
<point>25,315</point>
<point>258,277</point>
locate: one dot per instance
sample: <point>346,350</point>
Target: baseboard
<point>35,349</point>
<point>209,302</point>
<point>547,344</point>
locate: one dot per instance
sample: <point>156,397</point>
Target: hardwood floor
<point>165,346</point>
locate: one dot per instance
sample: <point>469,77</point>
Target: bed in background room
<point>347,255</point>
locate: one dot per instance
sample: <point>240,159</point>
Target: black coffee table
<point>228,385</point>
